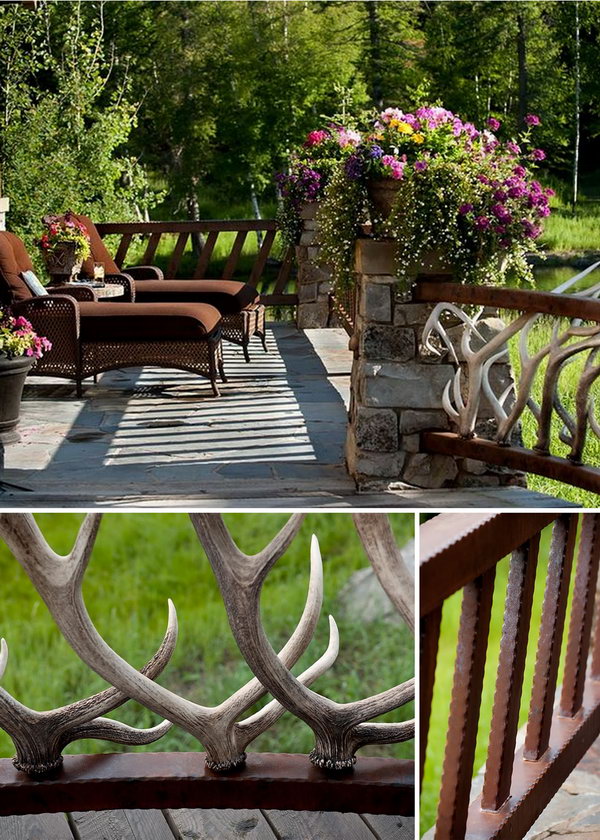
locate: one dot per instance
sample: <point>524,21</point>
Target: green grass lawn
<point>139,561</point>
<point>444,678</point>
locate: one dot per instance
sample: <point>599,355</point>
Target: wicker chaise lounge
<point>89,337</point>
<point>243,315</point>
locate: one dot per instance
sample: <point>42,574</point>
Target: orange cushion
<point>146,321</point>
<point>13,260</point>
<point>228,296</point>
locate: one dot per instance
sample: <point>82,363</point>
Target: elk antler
<point>340,729</point>
<point>40,737</point>
<point>58,580</point>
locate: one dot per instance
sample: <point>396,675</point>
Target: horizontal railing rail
<point>39,779</point>
<point>517,784</point>
<point>551,332</point>
<point>271,272</point>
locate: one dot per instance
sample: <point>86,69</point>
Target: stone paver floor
<point>150,437</point>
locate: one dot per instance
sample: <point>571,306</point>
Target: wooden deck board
<point>121,825</point>
<point>315,825</point>
<point>227,824</point>
<point>390,828</point>
<point>35,827</point>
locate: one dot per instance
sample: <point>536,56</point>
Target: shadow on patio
<point>278,430</point>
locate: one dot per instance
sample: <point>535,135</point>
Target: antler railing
<point>341,728</point>
<point>574,334</point>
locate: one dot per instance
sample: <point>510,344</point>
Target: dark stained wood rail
<point>461,551</point>
<point>272,273</point>
<point>182,780</point>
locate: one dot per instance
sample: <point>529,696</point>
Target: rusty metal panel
<point>582,608</point>
<point>509,680</point>
<point>464,707</point>
<point>457,547</point>
<point>182,780</point>
<point>429,638</point>
<point>550,639</point>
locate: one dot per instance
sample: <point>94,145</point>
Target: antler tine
<point>252,726</point>
<point>3,657</point>
<point>388,563</point>
<point>105,729</point>
<point>296,645</point>
<point>385,733</point>
<point>245,568</point>
<point>334,724</point>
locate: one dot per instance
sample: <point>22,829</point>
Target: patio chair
<point>243,316</point>
<point>89,337</point>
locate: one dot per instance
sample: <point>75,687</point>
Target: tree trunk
<point>374,52</point>
<point>523,70</point>
<point>256,211</point>
<point>577,107</point>
<point>193,209</point>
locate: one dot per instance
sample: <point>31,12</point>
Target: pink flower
<point>493,123</point>
<point>313,138</point>
<point>421,166</point>
<point>532,119</point>
<point>538,154</point>
<point>513,148</point>
<point>482,222</point>
<point>348,137</point>
<point>465,208</point>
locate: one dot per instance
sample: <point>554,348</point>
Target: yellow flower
<point>403,127</point>
<point>417,138</point>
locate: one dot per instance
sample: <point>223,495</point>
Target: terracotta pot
<point>383,193</point>
<point>61,262</point>
<point>12,380</point>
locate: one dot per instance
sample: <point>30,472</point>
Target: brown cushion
<point>146,321</point>
<point>99,250</point>
<point>228,296</point>
<point>13,260</point>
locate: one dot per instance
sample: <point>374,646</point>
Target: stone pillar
<point>4,207</point>
<point>314,279</point>
<point>396,389</point>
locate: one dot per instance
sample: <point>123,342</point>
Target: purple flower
<point>501,213</point>
<point>376,152</point>
<point>465,208</point>
<point>513,148</point>
<point>493,123</point>
<point>538,154</point>
<point>517,192</point>
<point>530,230</point>
<point>543,211</point>
<point>353,168</point>
<point>520,171</point>
<point>532,119</point>
<point>482,222</point>
<point>500,195</point>
<point>421,166</point>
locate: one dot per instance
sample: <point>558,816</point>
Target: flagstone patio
<point>149,437</point>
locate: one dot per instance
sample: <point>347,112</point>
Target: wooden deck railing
<point>272,274</point>
<point>461,552</point>
<point>553,330</point>
<point>224,776</point>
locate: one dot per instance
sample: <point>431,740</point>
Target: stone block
<point>383,342</point>
<point>470,480</point>
<point>384,465</point>
<point>309,272</point>
<point>307,237</point>
<point>376,430</point>
<point>325,288</point>
<point>376,302</point>
<point>313,315</point>
<point>301,254</point>
<point>472,466</point>
<point>411,313</point>
<point>408,385</point>
<point>410,443</point>
<point>375,256</point>
<point>417,421</point>
<point>429,471</point>
<point>488,328</point>
<point>309,210</point>
<point>313,253</point>
<point>310,224</point>
<point>307,292</point>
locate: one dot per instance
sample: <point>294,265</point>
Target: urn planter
<point>61,262</point>
<point>383,193</point>
<point>12,379</point>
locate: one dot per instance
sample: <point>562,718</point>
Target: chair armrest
<point>126,281</point>
<point>145,272</point>
<point>86,293</point>
<point>52,316</point>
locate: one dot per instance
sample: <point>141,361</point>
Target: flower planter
<point>383,193</point>
<point>61,262</point>
<point>12,380</point>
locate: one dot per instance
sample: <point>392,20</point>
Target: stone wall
<point>396,388</point>
<point>314,279</point>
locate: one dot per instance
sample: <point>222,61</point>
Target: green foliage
<point>139,561</point>
<point>340,215</point>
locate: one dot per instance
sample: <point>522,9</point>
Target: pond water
<point>547,279</point>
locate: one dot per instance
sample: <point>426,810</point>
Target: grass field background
<point>445,672</point>
<point>139,561</point>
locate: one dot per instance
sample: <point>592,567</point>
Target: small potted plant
<point>20,346</point>
<point>65,244</point>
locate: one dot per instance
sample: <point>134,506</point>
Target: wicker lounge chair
<point>238,303</point>
<point>89,337</point>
